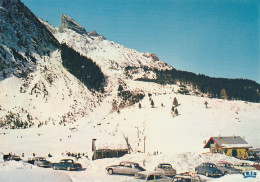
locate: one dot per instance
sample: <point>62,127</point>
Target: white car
<point>186,178</point>
<point>244,166</point>
<point>146,176</point>
<point>41,162</point>
<point>166,169</point>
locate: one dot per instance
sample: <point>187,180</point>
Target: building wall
<point>240,152</point>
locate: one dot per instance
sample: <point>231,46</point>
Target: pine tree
<point>223,94</point>
<point>120,88</point>
<point>206,104</point>
<point>152,103</point>
<point>175,102</point>
<point>172,108</point>
<point>4,74</point>
<point>176,112</point>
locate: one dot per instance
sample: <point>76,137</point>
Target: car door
<point>201,169</point>
<point>135,169</point>
<point>150,178</point>
<point>128,169</point>
<point>257,165</point>
<point>119,169</point>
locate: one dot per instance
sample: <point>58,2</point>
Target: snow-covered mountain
<point>23,39</point>
<point>34,83</point>
<point>50,110</point>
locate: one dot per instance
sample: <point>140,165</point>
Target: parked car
<point>41,162</point>
<point>244,166</point>
<point>208,169</point>
<point>227,168</point>
<point>166,169</point>
<point>125,168</point>
<point>257,165</point>
<point>10,157</point>
<point>254,154</point>
<point>186,178</point>
<point>150,176</point>
<point>66,164</point>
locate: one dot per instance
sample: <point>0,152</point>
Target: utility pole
<point>94,149</point>
<point>137,127</point>
<point>144,143</point>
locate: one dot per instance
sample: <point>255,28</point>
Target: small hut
<point>107,153</point>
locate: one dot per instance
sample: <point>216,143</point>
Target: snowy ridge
<point>107,54</point>
<point>69,23</point>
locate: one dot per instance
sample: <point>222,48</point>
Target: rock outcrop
<point>68,23</point>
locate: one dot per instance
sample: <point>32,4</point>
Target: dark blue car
<point>66,164</point>
<point>208,169</point>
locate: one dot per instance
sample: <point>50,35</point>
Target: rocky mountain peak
<point>68,23</point>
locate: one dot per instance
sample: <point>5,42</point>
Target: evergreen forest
<point>235,89</point>
<point>82,68</point>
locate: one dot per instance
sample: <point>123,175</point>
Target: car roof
<point>164,164</point>
<point>183,176</point>
<point>149,172</point>
<point>128,162</point>
<point>66,159</point>
<point>223,163</point>
<point>209,163</point>
<point>241,163</point>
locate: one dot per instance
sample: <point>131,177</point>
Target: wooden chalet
<point>234,146</point>
<point>107,153</point>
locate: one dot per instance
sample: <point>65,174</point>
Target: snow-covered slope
<point>35,88</point>
<point>62,115</point>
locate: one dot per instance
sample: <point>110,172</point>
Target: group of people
<point>76,155</point>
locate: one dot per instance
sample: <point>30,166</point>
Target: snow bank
<point>21,172</point>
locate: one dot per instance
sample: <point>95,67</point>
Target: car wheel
<point>225,173</point>
<point>110,171</point>
<point>54,167</point>
<point>68,168</point>
<point>207,174</point>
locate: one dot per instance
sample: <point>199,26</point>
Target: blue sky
<point>218,38</point>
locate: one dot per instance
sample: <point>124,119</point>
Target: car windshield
<point>212,165</point>
<point>166,166</point>
<point>140,176</point>
<point>228,165</point>
<point>66,161</point>
<point>221,165</point>
<point>180,179</point>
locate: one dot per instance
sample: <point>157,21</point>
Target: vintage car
<point>227,168</point>
<point>186,178</point>
<point>66,164</point>
<point>150,176</point>
<point>257,165</point>
<point>244,166</point>
<point>208,169</point>
<point>125,167</point>
<point>10,157</point>
<point>166,169</point>
<point>41,162</point>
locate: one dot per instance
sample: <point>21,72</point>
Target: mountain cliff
<point>68,23</point>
